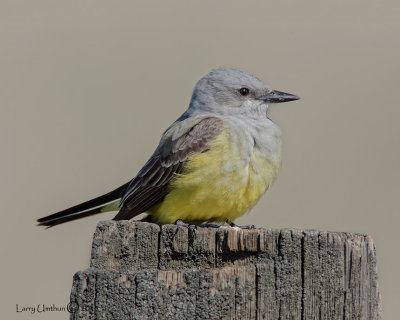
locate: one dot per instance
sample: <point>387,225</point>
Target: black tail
<point>82,210</point>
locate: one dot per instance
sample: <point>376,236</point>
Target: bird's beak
<point>277,96</point>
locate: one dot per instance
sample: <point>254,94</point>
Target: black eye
<point>244,91</point>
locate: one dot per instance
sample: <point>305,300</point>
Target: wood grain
<point>139,270</point>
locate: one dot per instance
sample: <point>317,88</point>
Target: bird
<point>212,164</point>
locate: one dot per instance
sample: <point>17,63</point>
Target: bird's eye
<point>244,91</point>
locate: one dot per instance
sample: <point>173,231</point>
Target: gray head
<point>227,91</point>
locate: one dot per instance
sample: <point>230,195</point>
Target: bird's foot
<point>180,223</point>
<point>230,224</point>
<point>209,225</point>
<point>227,224</point>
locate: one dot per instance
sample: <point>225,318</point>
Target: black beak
<point>277,96</point>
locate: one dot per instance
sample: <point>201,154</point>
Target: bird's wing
<point>151,184</point>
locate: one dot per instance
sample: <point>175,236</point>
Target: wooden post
<point>139,270</point>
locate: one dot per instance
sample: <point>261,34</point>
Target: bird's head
<point>232,91</point>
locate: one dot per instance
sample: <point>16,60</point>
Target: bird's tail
<point>105,203</point>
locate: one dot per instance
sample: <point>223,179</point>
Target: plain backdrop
<point>88,87</point>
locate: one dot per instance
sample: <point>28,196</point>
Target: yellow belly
<point>216,185</point>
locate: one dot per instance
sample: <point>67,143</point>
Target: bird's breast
<point>224,182</point>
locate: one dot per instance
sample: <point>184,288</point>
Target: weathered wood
<point>139,270</point>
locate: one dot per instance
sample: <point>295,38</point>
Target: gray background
<point>87,88</point>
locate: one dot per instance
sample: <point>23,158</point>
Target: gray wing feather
<point>151,184</point>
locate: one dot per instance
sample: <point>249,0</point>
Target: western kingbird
<point>212,164</point>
